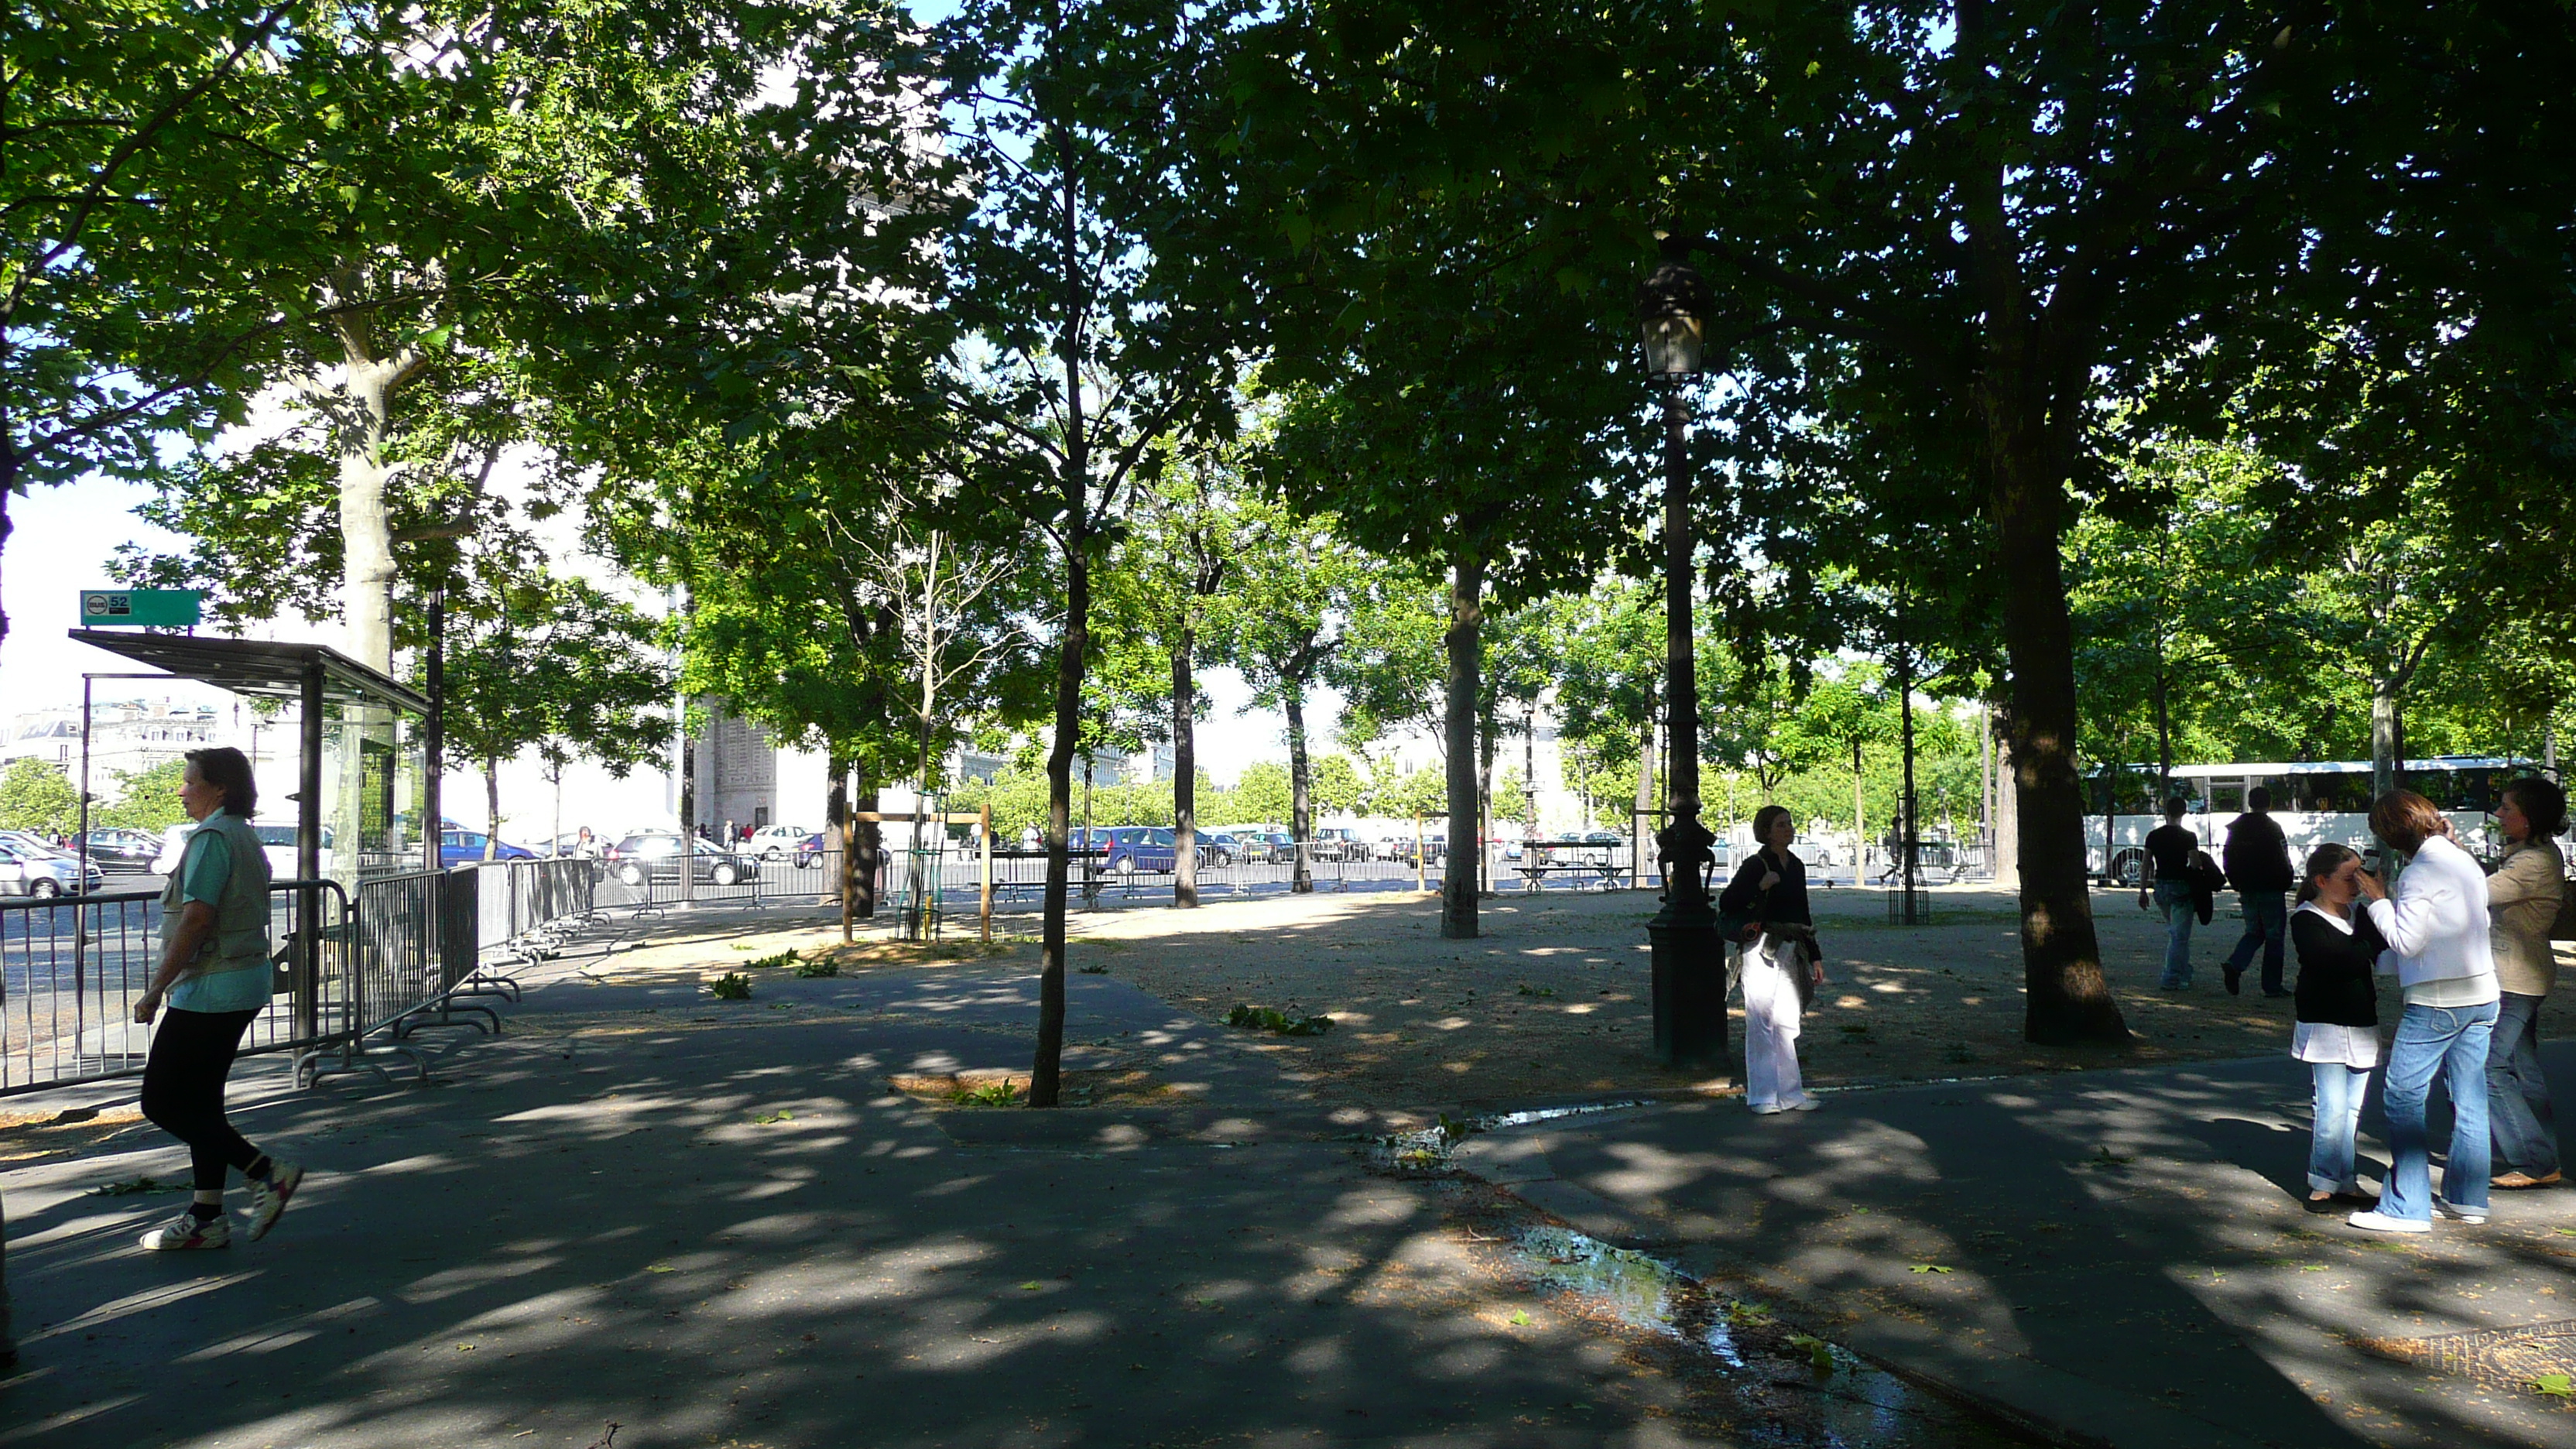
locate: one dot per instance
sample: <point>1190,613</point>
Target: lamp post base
<point>1689,978</point>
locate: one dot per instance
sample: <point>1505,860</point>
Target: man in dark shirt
<point>2258,866</point>
<point>2168,883</point>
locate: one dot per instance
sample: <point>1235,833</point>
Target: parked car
<point>776,842</point>
<point>277,842</point>
<point>121,849</point>
<point>464,847</point>
<point>809,850</point>
<point>1274,847</point>
<point>1435,847</point>
<point>1339,842</point>
<point>1139,847</point>
<point>655,854</point>
<point>36,869</point>
<point>1218,847</point>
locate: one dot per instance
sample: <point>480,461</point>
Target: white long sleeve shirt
<point>2436,928</point>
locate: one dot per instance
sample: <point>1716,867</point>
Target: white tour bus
<point>2313,804</point>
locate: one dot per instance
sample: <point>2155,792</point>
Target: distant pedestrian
<point>2338,1012</point>
<point>2257,858</point>
<point>2168,882</point>
<point>2436,929</point>
<point>1763,914</point>
<point>214,977</point>
<point>2522,897</point>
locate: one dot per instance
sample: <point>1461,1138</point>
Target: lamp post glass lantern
<point>1689,967</point>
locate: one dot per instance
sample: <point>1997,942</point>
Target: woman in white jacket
<point>2436,929</point>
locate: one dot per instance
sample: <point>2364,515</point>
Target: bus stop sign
<point>161,608</point>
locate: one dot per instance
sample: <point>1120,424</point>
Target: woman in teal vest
<point>214,977</point>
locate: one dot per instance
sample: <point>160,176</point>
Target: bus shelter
<point>366,801</point>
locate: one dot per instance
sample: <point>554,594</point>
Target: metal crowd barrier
<point>71,969</point>
<point>402,953</point>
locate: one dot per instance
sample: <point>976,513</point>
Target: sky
<point>64,542</point>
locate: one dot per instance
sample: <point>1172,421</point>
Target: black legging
<point>183,1088</point>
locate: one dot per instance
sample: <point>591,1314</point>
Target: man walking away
<point>2257,859</point>
<point>2168,882</point>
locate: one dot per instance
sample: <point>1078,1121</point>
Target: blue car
<point>465,847</point>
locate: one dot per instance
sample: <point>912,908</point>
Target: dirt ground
<point>1550,1002</point>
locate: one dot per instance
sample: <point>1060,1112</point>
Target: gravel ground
<point>1550,1001</point>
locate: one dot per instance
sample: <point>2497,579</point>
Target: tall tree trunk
<point>2007,826</point>
<point>1046,1077</point>
<point>1465,643</point>
<point>1860,838</point>
<point>1484,802</point>
<point>1301,792</point>
<point>2164,734</point>
<point>2385,745</point>
<point>491,807</point>
<point>2068,999</point>
<point>1185,765</point>
<point>1646,766</point>
<point>363,420</point>
<point>1910,822</point>
<point>7,525</point>
<point>836,834</point>
<point>867,857</point>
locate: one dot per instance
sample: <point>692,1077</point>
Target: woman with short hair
<point>2337,1004</point>
<point>2522,897</point>
<point>2436,929</point>
<point>1764,916</point>
<point>214,977</point>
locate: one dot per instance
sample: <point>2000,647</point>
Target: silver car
<point>41,871</point>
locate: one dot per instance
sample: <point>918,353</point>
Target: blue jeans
<point>2173,897</point>
<point>2267,924</point>
<point>2338,1112</point>
<point>2526,1132</point>
<point>2451,1041</point>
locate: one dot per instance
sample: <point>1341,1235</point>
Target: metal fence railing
<point>71,969</point>
<point>372,965</point>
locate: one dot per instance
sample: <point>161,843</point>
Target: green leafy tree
<point>1294,588</point>
<point>145,799</point>
<point>36,795</point>
<point>1163,581</point>
<point>556,666</point>
<point>1609,647</point>
<point>1085,369</point>
<point>1265,794</point>
<point>2012,213</point>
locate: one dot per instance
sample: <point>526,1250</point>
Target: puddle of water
<point>1426,1149</point>
<point>1806,1392</point>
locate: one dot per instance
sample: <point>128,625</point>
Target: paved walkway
<point>643,1218</point>
<point>2121,1256</point>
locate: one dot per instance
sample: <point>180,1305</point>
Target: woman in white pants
<point>1771,933</point>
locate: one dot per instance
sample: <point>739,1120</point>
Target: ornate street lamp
<point>1689,960</point>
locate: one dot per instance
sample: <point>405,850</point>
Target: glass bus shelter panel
<point>374,775</point>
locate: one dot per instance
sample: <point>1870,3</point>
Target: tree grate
<point>2506,1358</point>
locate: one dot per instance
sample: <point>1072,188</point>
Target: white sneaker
<point>269,1195</point>
<point>1806,1103</point>
<point>1765,1109</point>
<point>2373,1220</point>
<point>185,1232</point>
<point>2457,1213</point>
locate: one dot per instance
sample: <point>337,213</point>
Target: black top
<point>2170,847</point>
<point>1744,900</point>
<point>2257,857</point>
<point>2335,984</point>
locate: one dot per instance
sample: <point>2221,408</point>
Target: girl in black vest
<point>2338,1011</point>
